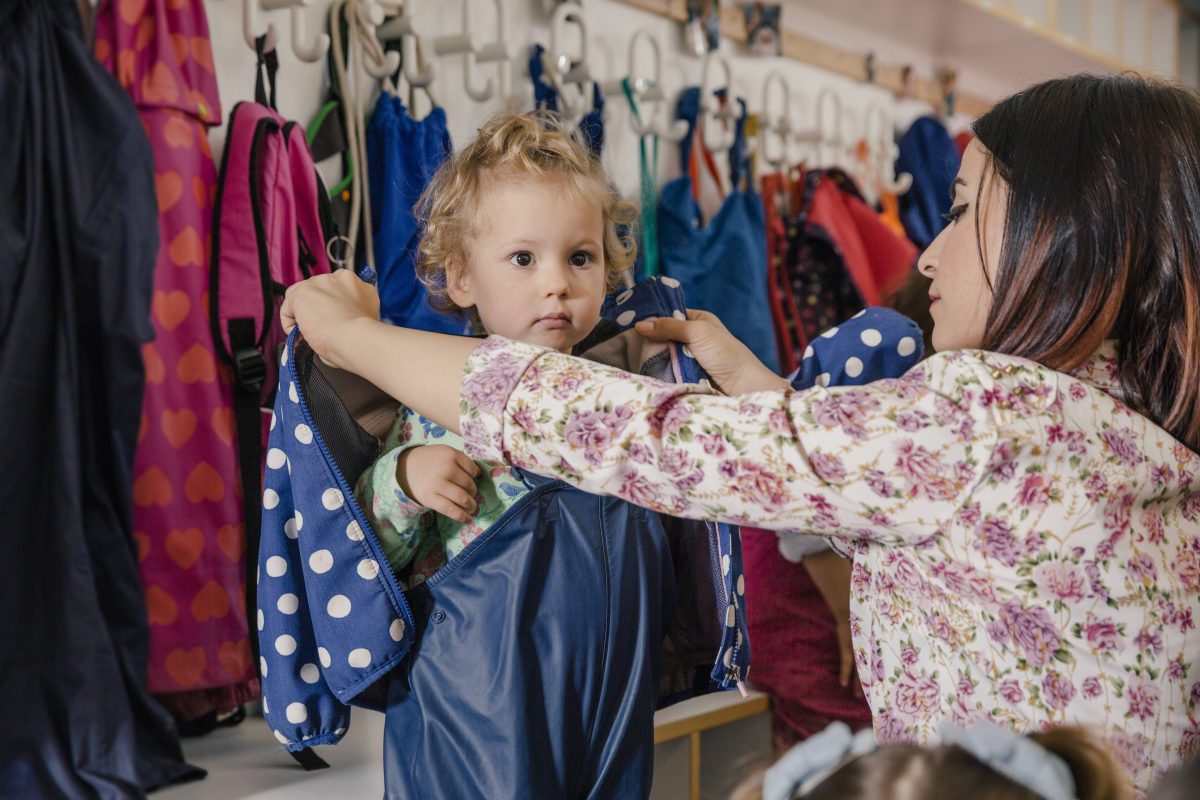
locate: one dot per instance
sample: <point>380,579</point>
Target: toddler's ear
<point>458,284</point>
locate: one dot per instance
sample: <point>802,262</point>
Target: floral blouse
<point>1026,547</point>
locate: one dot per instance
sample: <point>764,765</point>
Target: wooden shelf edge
<point>823,55</point>
<point>678,729</point>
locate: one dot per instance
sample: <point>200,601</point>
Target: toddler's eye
<point>954,213</point>
<point>521,259</point>
<point>581,258</point>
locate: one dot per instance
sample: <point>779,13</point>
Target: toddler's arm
<point>441,479</point>
<point>398,519</point>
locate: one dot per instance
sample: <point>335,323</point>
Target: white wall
<point>302,86</point>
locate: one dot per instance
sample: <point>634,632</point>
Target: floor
<point>247,763</point>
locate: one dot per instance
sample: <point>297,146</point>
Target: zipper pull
<point>734,674</point>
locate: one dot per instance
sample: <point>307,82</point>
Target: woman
<point>1023,509</point>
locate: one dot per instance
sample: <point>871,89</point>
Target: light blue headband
<point>1017,757</point>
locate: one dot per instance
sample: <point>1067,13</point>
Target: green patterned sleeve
<point>397,519</point>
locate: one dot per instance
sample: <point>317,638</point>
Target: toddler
<point>520,232</point>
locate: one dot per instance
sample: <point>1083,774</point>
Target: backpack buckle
<point>249,369</point>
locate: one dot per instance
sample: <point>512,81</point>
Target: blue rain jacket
<point>722,264</point>
<point>532,663</point>
<point>928,154</point>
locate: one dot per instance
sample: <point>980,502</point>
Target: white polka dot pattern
<point>296,713</point>
<point>288,603</point>
<point>338,606</point>
<point>321,562</point>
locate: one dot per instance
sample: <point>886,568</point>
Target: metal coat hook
<point>464,42</point>
<point>780,126</point>
<point>724,113</point>
<point>816,134</point>
<point>401,27</point>
<point>885,151</point>
<point>250,26</point>
<point>647,92</point>
<point>560,66</point>
<point>374,67</point>
<point>304,50</point>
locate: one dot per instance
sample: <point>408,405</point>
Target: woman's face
<point>961,291</point>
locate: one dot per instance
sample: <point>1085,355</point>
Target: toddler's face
<point>535,267</point>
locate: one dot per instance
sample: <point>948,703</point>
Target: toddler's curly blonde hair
<point>532,145</point>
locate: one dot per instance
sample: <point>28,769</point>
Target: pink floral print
<point>1026,547</point>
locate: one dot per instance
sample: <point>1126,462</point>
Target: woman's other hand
<point>324,306</point>
<point>729,363</point>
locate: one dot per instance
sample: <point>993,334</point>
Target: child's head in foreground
<point>520,230</point>
<point>981,762</point>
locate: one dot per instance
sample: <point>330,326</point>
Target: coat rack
<point>862,67</point>
<point>304,50</point>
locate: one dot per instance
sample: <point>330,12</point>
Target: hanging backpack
<point>268,233</point>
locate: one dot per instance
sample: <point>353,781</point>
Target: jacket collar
<point>1101,371</point>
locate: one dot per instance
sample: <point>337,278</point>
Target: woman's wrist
<point>352,345</point>
<point>756,377</point>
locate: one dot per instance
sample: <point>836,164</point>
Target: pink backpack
<point>269,232</point>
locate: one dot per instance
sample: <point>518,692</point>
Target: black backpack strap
<point>249,374</point>
<point>268,66</point>
<point>309,759</point>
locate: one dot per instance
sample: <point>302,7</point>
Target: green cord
<point>649,172</point>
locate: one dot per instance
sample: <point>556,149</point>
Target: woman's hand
<point>729,363</point>
<point>324,306</point>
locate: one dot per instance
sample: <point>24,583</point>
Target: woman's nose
<point>928,261</point>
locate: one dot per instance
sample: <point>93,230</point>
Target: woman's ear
<point>458,284</point>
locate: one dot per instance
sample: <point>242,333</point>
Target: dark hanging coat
<point>79,236</point>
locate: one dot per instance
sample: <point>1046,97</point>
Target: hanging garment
<point>928,154</point>
<point>795,637</point>
<point>591,126</point>
<point>79,230</point>
<point>580,613</point>
<point>962,140</point>
<point>785,313</point>
<point>876,257</point>
<point>186,514</point>
<point>404,153</point>
<point>821,285</point>
<point>268,234</point>
<point>722,264</point>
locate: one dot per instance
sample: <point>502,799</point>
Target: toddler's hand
<point>440,478</point>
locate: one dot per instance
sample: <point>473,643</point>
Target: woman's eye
<point>581,259</point>
<point>954,213</point>
<point>521,259</point>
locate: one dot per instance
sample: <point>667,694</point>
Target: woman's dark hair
<point>1102,238</point>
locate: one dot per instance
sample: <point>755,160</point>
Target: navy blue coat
<point>79,233</point>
